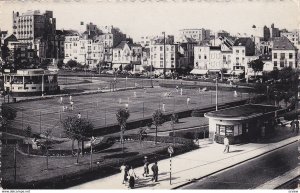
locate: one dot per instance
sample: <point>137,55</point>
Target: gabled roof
<point>282,43</point>
<point>121,45</point>
<point>11,38</point>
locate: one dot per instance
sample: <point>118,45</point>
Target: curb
<point>287,182</point>
<point>215,172</point>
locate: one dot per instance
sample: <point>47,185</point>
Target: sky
<point>152,17</point>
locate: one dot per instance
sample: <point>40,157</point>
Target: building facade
<point>164,58</point>
<point>199,35</point>
<point>284,53</point>
<point>127,54</point>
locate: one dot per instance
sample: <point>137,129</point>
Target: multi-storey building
<point>186,51</point>
<point>164,56</point>
<point>292,36</point>
<point>20,54</point>
<point>284,53</point>
<point>33,24</point>
<point>199,35</point>
<point>127,54</point>
<point>84,51</point>
<point>110,38</point>
<point>211,58</point>
<point>38,29</point>
<point>243,51</point>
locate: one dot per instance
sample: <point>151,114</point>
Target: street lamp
<point>217,91</point>
<point>164,71</point>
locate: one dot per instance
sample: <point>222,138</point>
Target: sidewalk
<point>200,163</point>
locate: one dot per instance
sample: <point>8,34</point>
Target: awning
<point>237,72</point>
<point>199,71</point>
<point>117,66</point>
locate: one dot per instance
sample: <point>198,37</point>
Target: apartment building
<point>127,54</point>
<point>284,53</point>
<point>164,56</point>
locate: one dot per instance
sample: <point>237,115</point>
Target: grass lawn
<point>33,168</point>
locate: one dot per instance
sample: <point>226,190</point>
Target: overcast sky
<point>138,19</point>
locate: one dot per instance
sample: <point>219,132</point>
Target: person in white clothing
<point>132,177</point>
<point>226,143</point>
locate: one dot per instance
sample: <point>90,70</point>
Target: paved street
<point>253,173</point>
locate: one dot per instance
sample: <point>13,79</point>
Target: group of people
<point>129,176</point>
<point>65,107</point>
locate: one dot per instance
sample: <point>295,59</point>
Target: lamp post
<point>164,33</point>
<point>217,91</point>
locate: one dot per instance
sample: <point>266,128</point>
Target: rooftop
<point>242,41</point>
<point>282,43</point>
<point>242,112</point>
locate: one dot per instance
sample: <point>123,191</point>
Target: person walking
<point>146,167</point>
<point>154,169</point>
<point>79,115</point>
<point>297,126</point>
<point>293,124</point>
<point>226,143</point>
<point>123,173</point>
<point>132,176</point>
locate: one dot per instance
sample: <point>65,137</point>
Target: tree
<point>5,53</point>
<point>157,120</point>
<point>9,113</point>
<point>86,129</point>
<point>149,68</point>
<point>47,135</point>
<point>128,67</point>
<point>122,116</point>
<point>257,65</point>
<point>77,129</point>
<point>72,64</point>
<point>28,135</point>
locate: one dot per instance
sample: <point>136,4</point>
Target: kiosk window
<point>226,130</point>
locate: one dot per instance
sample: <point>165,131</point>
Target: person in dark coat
<point>154,169</point>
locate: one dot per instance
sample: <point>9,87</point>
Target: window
<point>237,51</point>
<point>275,55</point>
<point>281,64</point>
<point>161,57</point>
<point>204,56</point>
<point>161,64</point>
<point>226,130</point>
<point>275,63</point>
<point>282,56</point>
<point>290,55</point>
<point>161,48</point>
<point>243,51</point>
<point>291,64</point>
<point>199,56</point>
